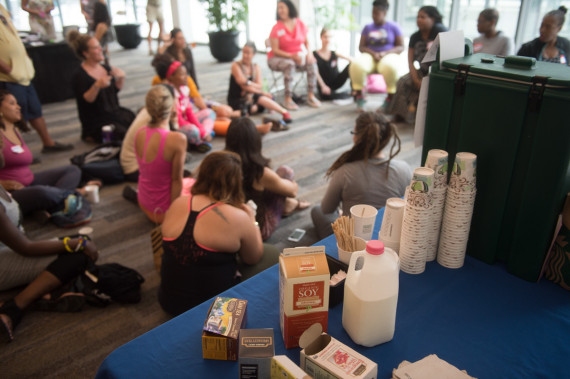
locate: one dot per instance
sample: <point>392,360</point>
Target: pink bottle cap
<point>375,247</point>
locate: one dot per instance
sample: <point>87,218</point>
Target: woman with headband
<point>197,127</point>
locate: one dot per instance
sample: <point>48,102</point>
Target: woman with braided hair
<point>365,174</point>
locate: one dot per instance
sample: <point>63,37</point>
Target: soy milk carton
<point>303,291</point>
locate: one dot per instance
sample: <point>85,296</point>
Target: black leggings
<point>68,266</point>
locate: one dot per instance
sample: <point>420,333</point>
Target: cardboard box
<point>303,291</point>
<point>325,357</point>
<point>226,317</point>
<point>284,368</point>
<point>256,349</point>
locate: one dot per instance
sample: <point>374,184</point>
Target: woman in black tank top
<point>206,234</point>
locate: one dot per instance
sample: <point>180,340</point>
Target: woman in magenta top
<point>45,190</point>
<point>287,38</point>
<point>160,155</point>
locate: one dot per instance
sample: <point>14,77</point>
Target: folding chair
<point>277,86</point>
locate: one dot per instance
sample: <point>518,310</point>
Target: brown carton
<point>221,329</point>
<point>325,357</point>
<point>303,291</point>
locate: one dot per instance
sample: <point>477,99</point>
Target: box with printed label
<point>284,368</point>
<point>226,317</point>
<point>303,291</point>
<point>256,349</point>
<point>325,357</point>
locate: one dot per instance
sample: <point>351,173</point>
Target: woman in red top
<point>287,39</point>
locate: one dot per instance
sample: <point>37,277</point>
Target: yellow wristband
<point>66,245</point>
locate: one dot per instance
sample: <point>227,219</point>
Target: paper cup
<point>438,160</point>
<point>465,165</point>
<point>86,231</point>
<point>364,217</point>
<point>422,180</point>
<point>344,256</point>
<point>392,222</point>
<point>92,193</point>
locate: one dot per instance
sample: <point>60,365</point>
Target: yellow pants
<point>392,67</point>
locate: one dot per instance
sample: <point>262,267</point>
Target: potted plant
<point>226,16</point>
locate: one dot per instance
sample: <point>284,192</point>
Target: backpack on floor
<point>110,281</point>
<point>101,163</point>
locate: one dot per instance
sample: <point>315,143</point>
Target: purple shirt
<point>381,38</point>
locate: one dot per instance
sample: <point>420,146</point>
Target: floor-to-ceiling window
<point>519,19</point>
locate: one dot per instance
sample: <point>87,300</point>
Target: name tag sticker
<point>280,33</point>
<point>17,149</point>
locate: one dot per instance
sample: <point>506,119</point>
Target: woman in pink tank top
<point>160,155</point>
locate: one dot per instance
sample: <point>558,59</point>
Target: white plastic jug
<point>371,295</point>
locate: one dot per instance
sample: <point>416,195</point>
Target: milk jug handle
<point>354,258</point>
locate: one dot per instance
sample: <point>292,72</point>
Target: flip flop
<point>314,103</point>
<point>301,204</point>
<point>290,105</point>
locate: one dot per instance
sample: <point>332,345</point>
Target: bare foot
<point>292,205</point>
<point>264,128</point>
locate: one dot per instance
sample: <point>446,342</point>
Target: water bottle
<point>371,295</point>
<point>107,133</point>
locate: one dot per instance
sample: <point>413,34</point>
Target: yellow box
<point>226,317</point>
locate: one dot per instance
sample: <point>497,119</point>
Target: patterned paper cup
<point>438,160</point>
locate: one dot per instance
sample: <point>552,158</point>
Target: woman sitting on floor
<point>41,191</point>
<point>330,79</point>
<point>246,89</point>
<point>46,265</point>
<point>363,175</point>
<point>273,192</point>
<point>211,240</point>
<point>179,51</point>
<point>160,157</point>
<point>95,86</point>
<point>197,127</point>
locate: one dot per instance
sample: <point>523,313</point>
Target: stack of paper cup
<point>458,210</point>
<point>391,228</point>
<point>416,224</point>
<point>437,160</point>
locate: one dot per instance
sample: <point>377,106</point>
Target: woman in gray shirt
<point>363,174</point>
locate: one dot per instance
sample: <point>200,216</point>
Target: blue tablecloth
<point>478,318</point>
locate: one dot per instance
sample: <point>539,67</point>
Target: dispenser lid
<point>375,247</point>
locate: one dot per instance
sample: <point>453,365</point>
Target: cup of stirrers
<point>347,243</point>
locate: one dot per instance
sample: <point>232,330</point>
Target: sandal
<point>67,302</point>
<point>14,316</point>
<point>314,102</point>
<point>301,204</point>
<point>287,118</point>
<point>290,105</point>
<point>276,125</point>
<point>203,147</point>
